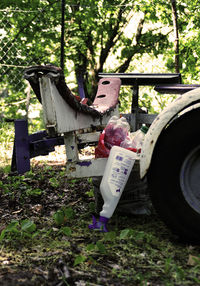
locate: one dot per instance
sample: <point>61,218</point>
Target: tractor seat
<point>105,101</point>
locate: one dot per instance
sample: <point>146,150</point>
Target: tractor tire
<point>174,176</point>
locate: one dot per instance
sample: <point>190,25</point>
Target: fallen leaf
<point>193,260</point>
<point>18,211</point>
<point>5,262</point>
<point>37,208</point>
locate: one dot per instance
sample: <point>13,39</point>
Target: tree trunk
<point>176,34</point>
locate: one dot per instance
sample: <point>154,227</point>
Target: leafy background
<point>44,237</point>
<point>100,36</point>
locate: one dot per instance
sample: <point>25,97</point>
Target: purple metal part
<point>21,154</point>
<point>44,146</point>
<point>29,146</point>
<point>84,163</point>
<point>80,86</point>
<point>37,135</point>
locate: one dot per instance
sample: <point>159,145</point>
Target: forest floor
<point>45,240</point>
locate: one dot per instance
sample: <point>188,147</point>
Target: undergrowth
<point>44,224</point>
<point>45,239</point>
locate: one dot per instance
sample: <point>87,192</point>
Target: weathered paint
<point>181,103</point>
<point>85,169</point>
<point>48,104</point>
<point>88,137</point>
<point>60,116</point>
<point>84,163</point>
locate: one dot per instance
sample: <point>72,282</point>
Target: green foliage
<point>54,182</point>
<point>28,226</point>
<point>63,215</point>
<point>90,193</point>
<point>79,259</point>
<point>25,41</point>
<point>136,251</point>
<point>66,230</point>
<point>101,247</point>
<point>59,217</point>
<point>94,32</point>
<point>110,236</point>
<point>34,192</point>
<point>6,142</point>
<point>19,230</point>
<point>125,233</point>
<point>125,100</point>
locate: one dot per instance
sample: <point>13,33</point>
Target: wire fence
<point>8,51</point>
<point>13,58</point>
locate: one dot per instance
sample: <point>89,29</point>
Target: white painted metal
<point>86,168</point>
<point>88,137</point>
<point>71,147</point>
<point>64,119</point>
<point>180,104</point>
<point>59,114</point>
<point>47,103</point>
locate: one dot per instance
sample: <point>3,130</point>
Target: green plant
<point>34,192</point>
<point>90,193</point>
<point>28,226</point>
<point>79,259</point>
<point>19,230</point>
<point>98,246</point>
<point>62,215</point>
<point>6,142</point>
<point>54,182</point>
<point>126,233</point>
<point>90,250</point>
<point>72,182</point>
<point>66,231</point>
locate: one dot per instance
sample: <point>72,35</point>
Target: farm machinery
<point>170,155</point>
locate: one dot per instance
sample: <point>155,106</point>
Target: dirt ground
<point>62,251</point>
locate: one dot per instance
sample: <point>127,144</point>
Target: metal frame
<point>135,80</point>
<point>28,146</point>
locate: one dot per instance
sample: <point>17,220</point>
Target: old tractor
<point>170,157</point>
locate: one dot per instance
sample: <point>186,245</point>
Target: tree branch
<point>126,63</point>
<point>111,41</point>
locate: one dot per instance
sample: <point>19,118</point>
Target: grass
<point>40,228</point>
<point>6,141</point>
<point>45,240</point>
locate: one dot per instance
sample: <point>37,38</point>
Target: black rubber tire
<point>166,192</point>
